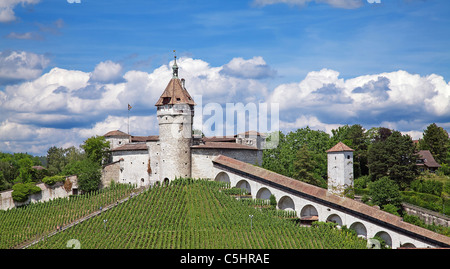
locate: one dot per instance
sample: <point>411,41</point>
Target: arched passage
<point>408,245</point>
<point>386,238</point>
<point>360,229</point>
<point>263,193</point>
<point>286,203</point>
<point>335,218</point>
<point>222,177</point>
<point>308,214</point>
<point>243,184</point>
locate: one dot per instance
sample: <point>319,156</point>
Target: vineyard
<point>187,214</point>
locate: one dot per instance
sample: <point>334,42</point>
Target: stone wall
<point>428,216</point>
<point>58,190</point>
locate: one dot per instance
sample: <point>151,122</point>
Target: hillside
<point>194,215</point>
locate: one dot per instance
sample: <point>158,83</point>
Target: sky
<point>69,68</point>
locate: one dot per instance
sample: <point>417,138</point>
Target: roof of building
<point>116,133</point>
<point>175,93</point>
<point>144,138</point>
<point>327,197</point>
<point>339,147</point>
<point>250,133</point>
<point>231,139</point>
<point>222,145</point>
<point>131,147</point>
<point>428,159</point>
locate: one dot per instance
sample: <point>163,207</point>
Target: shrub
<point>361,182</point>
<point>21,191</point>
<point>384,191</point>
<point>391,209</point>
<point>427,186</point>
<point>52,180</point>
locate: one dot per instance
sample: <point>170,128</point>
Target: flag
<point>129,107</point>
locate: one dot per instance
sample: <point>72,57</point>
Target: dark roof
<point>322,194</point>
<point>339,147</point>
<point>222,145</point>
<point>131,147</point>
<point>428,159</point>
<point>144,138</point>
<point>175,93</point>
<point>116,133</point>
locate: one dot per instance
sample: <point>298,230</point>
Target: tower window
<point>348,157</point>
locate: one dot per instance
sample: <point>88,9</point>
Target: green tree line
<point>20,171</point>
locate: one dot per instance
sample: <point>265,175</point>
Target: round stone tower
<point>175,113</point>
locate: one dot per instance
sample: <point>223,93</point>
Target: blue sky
<point>68,68</point>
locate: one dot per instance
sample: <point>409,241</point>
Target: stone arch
<point>408,245</point>
<point>263,193</point>
<point>243,184</point>
<point>360,229</point>
<point>222,177</point>
<point>386,237</point>
<point>166,181</point>
<point>286,203</point>
<point>335,218</point>
<point>308,211</point>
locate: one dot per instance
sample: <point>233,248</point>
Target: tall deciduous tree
<point>304,167</point>
<point>96,148</point>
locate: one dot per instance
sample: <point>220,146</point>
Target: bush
<point>52,180</point>
<point>390,208</point>
<point>384,191</point>
<point>427,186</point>
<point>425,200</point>
<point>21,191</point>
<point>361,182</point>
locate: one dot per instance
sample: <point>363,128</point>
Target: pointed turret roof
<point>175,92</point>
<point>339,147</point>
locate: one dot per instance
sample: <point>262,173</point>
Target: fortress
<point>177,152</point>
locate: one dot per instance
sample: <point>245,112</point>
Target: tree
<point>280,159</point>
<point>436,140</point>
<point>88,173</point>
<point>96,149</point>
<point>304,166</point>
<point>56,160</point>
<point>395,158</point>
<point>385,191</point>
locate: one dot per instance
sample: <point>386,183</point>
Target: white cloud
<point>16,66</point>
<point>6,8</point>
<point>348,4</point>
<point>107,71</point>
<point>253,68</point>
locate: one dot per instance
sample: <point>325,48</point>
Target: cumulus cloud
<point>16,66</point>
<point>348,4</point>
<point>107,71</point>
<point>7,8</point>
<point>76,104</point>
<point>253,68</point>
<point>399,99</point>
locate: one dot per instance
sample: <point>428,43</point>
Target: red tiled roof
<point>340,147</point>
<point>115,133</point>
<point>144,138</point>
<point>131,147</point>
<point>222,145</point>
<point>175,93</point>
<point>326,197</point>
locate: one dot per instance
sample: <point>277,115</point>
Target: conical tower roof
<point>175,92</point>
